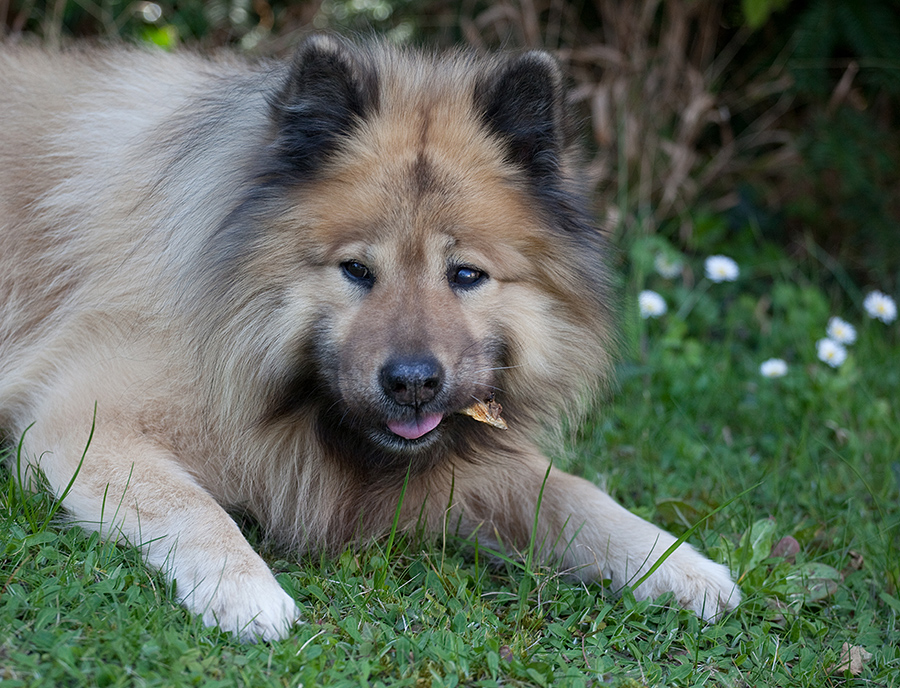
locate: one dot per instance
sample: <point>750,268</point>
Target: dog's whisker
<point>493,368</point>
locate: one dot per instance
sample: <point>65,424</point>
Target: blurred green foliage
<point>844,58</point>
<point>828,35</point>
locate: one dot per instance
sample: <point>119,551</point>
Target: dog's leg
<point>134,491</point>
<point>585,531</point>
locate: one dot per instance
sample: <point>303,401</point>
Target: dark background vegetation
<point>781,115</point>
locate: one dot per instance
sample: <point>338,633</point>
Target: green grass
<point>807,465</point>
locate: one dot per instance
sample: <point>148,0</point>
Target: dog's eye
<point>464,276</point>
<point>357,272</point>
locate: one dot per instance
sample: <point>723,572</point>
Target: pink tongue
<point>415,429</point>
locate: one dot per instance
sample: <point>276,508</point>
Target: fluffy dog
<point>273,287</point>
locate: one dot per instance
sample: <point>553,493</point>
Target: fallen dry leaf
<point>853,657</point>
<point>786,548</point>
<point>487,411</point>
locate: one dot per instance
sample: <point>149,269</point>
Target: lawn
<point>792,480</point>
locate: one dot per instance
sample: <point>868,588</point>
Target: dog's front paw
<point>253,606</point>
<point>700,585</point>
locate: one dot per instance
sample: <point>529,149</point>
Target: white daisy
<point>881,306</point>
<point>150,12</point>
<point>831,352</point>
<point>841,331</point>
<point>667,266</point>
<point>774,367</point>
<point>651,304</point>
<point>721,269</point>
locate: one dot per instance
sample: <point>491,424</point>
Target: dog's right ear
<point>328,90</point>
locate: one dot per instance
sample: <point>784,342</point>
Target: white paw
<point>253,606</point>
<point>700,585</point>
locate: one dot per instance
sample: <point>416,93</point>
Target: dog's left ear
<point>522,102</point>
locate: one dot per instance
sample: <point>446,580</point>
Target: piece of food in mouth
<point>487,411</point>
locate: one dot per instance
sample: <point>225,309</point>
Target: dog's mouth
<point>416,428</point>
<point>486,411</point>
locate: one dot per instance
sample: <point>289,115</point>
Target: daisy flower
<point>831,352</point>
<point>881,306</point>
<point>667,266</point>
<point>841,331</point>
<point>651,304</point>
<point>721,269</point>
<point>774,367</point>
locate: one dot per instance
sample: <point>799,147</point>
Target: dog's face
<point>428,254</point>
<point>424,258</point>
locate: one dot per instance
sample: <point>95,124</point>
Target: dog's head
<point>426,246</point>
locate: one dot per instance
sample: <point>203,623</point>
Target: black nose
<point>412,381</point>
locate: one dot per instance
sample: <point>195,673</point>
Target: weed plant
<point>791,479</point>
